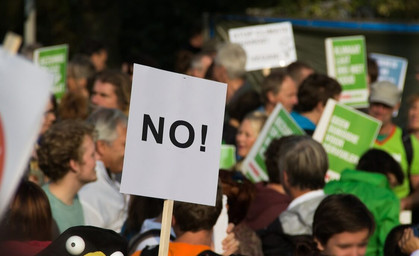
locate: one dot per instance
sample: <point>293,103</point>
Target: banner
<point>267,46</point>
<point>174,136</point>
<point>279,124</point>
<point>391,68</point>
<point>54,59</point>
<point>24,95</point>
<point>345,134</point>
<point>346,62</point>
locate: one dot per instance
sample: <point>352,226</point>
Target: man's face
<point>86,167</point>
<point>347,244</point>
<point>381,112</point>
<point>287,95</point>
<point>112,154</point>
<point>104,95</point>
<point>99,60</point>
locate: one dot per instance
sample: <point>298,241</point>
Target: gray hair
<point>106,121</point>
<point>305,162</point>
<point>233,58</point>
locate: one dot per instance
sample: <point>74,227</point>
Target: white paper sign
<point>174,136</point>
<point>24,93</point>
<point>266,46</point>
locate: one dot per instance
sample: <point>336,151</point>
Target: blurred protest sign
<point>266,46</point>
<point>346,61</point>
<point>24,94</point>
<point>346,134</point>
<point>391,68</point>
<point>279,124</point>
<point>228,156</point>
<point>54,59</point>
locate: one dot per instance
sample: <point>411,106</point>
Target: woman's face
<point>346,244</point>
<point>413,116</point>
<point>245,138</point>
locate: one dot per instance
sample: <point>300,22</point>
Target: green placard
<point>346,61</point>
<point>278,124</point>
<point>346,134</point>
<point>228,156</point>
<point>54,59</point>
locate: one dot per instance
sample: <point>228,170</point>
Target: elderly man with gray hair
<point>104,206</point>
<point>303,165</point>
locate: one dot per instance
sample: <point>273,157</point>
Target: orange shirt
<point>182,249</point>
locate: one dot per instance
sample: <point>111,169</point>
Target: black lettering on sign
<point>158,136</point>
<point>172,136</point>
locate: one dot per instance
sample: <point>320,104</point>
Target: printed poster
<point>346,62</point>
<point>279,124</point>
<point>267,46</point>
<point>346,134</point>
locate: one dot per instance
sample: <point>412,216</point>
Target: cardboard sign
<point>174,136</point>
<point>266,46</point>
<point>346,62</point>
<point>345,134</point>
<point>54,59</point>
<point>23,99</point>
<point>228,156</point>
<point>279,124</point>
<point>391,68</point>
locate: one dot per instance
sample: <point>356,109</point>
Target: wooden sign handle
<point>166,226</point>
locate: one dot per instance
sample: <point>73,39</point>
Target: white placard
<point>266,46</point>
<point>24,93</point>
<point>174,136</point>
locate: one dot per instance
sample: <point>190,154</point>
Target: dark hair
<point>60,144</point>
<point>272,83</point>
<point>121,83</point>
<point>314,89</point>
<point>379,161</point>
<point>141,208</point>
<point>391,246</point>
<point>305,162</point>
<point>271,160</point>
<point>196,217</point>
<point>239,191</point>
<point>341,213</point>
<point>29,216</point>
<point>372,69</point>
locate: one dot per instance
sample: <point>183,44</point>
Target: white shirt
<point>103,205</point>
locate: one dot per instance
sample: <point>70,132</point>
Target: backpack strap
<point>137,239</point>
<point>408,148</point>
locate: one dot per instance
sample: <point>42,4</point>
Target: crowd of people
<point>74,174</point>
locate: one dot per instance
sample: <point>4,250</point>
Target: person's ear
<point>319,245</point>
<point>271,97</point>
<point>74,165</point>
<point>100,147</point>
<point>396,107</point>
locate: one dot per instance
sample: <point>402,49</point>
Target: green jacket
<point>374,191</point>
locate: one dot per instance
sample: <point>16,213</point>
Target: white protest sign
<point>174,136</point>
<point>266,46</point>
<point>24,93</point>
<point>391,68</point>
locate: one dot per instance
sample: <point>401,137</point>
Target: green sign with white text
<point>54,59</point>
<point>278,124</point>
<point>345,134</point>
<point>346,62</point>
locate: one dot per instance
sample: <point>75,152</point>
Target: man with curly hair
<point>67,156</point>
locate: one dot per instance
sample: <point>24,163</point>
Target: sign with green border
<point>346,62</point>
<point>345,134</point>
<point>279,124</point>
<point>54,59</point>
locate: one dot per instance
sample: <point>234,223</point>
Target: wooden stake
<point>166,226</point>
